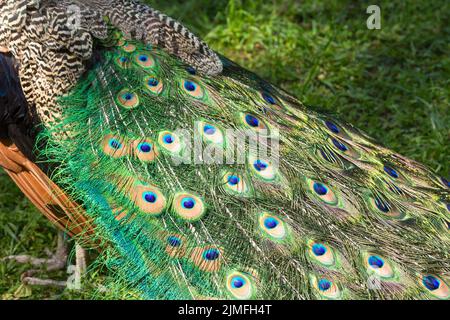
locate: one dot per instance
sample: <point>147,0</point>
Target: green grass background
<point>393,83</point>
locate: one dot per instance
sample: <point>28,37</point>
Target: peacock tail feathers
<point>145,143</point>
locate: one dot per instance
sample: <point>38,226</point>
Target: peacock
<point>196,179</point>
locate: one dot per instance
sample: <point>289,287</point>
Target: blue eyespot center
<point>152,82</point>
<point>143,58</point>
<point>333,128</point>
<point>150,197</point>
<point>339,145</point>
<point>395,189</point>
<point>209,129</point>
<point>237,282</point>
<point>123,59</point>
<point>431,283</point>
<point>251,121</point>
<point>188,203</point>
<point>382,205</point>
<point>145,147</point>
<point>168,138</point>
<point>445,182</point>
<point>128,96</point>
<point>190,86</point>
<point>324,284</point>
<point>268,98</point>
<point>270,223</point>
<point>174,241</point>
<point>211,254</point>
<point>319,249</point>
<point>260,165</point>
<point>391,172</point>
<point>327,157</point>
<point>115,144</point>
<point>233,180</point>
<point>376,262</point>
<point>191,70</point>
<point>320,189</point>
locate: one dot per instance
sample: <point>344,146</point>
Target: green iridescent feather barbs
<point>338,218</point>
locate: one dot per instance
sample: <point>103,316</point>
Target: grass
<point>393,83</point>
